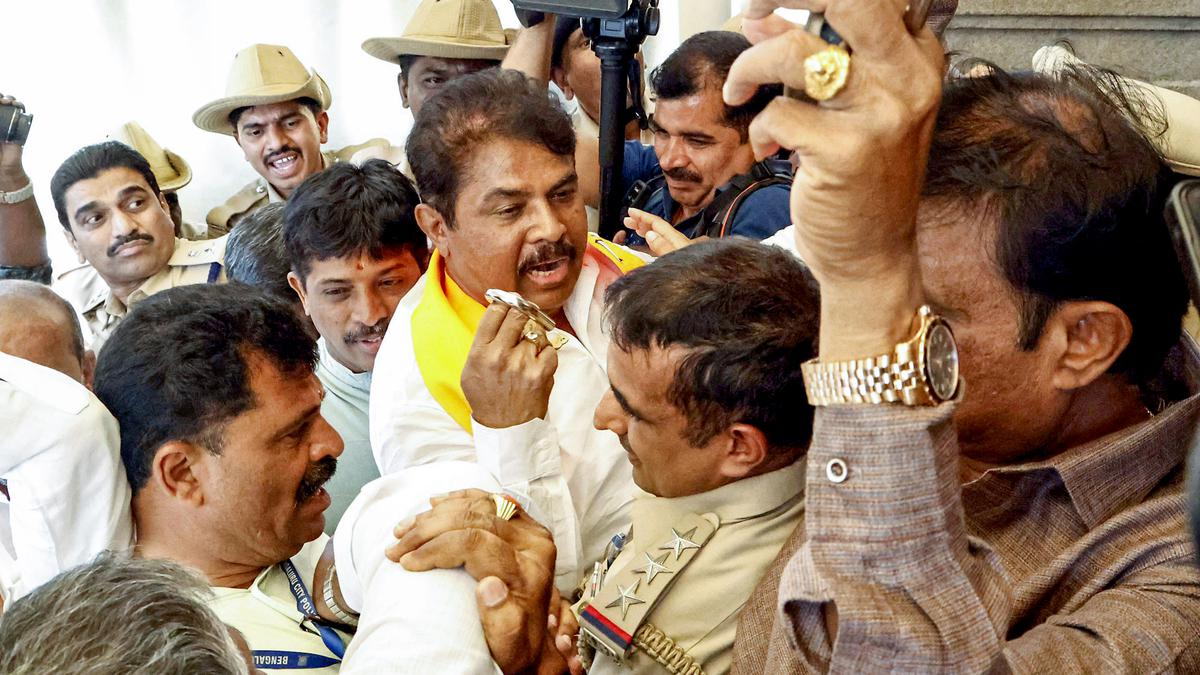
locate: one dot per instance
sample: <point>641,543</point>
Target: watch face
<point>941,361</point>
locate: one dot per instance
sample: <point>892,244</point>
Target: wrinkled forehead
<point>105,188</point>
<point>508,166</point>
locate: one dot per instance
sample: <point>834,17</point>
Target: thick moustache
<point>127,242</point>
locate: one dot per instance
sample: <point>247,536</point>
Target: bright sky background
<point>84,67</point>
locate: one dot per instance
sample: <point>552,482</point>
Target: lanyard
<point>304,603</point>
<point>270,659</point>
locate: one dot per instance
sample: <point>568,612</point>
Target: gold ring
<point>826,72</point>
<point>506,507</point>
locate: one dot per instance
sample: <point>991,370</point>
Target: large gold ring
<point>535,334</point>
<point>506,507</point>
<point>826,72</point>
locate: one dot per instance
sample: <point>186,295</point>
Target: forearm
<point>22,232</point>
<point>530,53</point>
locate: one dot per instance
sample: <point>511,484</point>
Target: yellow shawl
<point>445,320</point>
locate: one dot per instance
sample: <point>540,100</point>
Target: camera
<point>14,124</point>
<point>602,9</point>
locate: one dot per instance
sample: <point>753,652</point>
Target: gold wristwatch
<point>922,371</point>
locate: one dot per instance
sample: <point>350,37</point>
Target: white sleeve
<point>411,622</point>
<point>527,461</point>
<point>61,457</point>
<point>408,435</point>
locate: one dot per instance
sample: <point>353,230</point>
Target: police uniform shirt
<point>258,193</point>
<point>762,214</point>
<point>697,606</point>
<point>267,616</point>
<point>60,459</point>
<point>193,262</point>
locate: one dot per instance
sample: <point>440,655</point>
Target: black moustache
<point>112,250</point>
<point>547,253</point>
<point>682,175</point>
<point>317,475</point>
<point>275,155</point>
<point>376,331</point>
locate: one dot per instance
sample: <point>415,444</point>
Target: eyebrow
<point>624,402</point>
<point>655,127</point>
<point>338,280</point>
<point>121,196</point>
<point>279,118</point>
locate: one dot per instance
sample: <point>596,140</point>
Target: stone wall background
<point>1154,40</point>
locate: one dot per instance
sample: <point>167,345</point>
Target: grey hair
<point>118,615</point>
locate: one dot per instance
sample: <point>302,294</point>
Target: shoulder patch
<point>205,252</point>
<point>250,197</point>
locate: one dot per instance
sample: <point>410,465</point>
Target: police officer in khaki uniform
<point>275,108</point>
<point>116,219</point>
<point>444,40</point>
<point>171,171</point>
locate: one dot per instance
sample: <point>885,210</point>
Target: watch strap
<point>344,616</point>
<point>873,380</point>
<point>17,196</point>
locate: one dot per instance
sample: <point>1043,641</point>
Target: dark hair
<point>312,104</point>
<point>347,209</point>
<point>702,62</point>
<point>564,28</point>
<point>255,254</point>
<point>406,64</point>
<point>1078,194</point>
<point>472,110</point>
<point>89,162</point>
<point>747,314</point>
<point>176,367</point>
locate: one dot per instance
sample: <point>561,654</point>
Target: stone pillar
<point>1154,40</point>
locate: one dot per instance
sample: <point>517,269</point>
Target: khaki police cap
<point>261,75</point>
<point>449,29</point>
<point>1180,145</point>
<point>170,170</point>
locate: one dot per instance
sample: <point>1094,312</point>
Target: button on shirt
<point>411,622</point>
<point>193,262</point>
<point>1080,562</point>
<point>577,480</point>
<point>60,456</point>
<point>347,396</point>
<point>762,214</point>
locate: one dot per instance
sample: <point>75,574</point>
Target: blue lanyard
<point>270,659</point>
<point>304,603</point>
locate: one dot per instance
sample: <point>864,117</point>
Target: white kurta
<point>411,622</point>
<point>576,480</point>
<point>60,455</point>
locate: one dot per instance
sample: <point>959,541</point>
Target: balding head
<point>39,326</point>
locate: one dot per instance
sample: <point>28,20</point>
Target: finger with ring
<point>826,72</point>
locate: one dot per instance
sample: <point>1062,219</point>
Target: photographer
<point>22,233</point>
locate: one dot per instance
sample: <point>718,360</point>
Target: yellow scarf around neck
<point>445,320</point>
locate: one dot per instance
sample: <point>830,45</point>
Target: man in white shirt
<point>355,250</point>
<point>63,495</point>
<point>456,380</point>
<point>226,451</point>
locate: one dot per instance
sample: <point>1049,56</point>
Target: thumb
<point>504,626</point>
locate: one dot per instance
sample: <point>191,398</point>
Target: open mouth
<point>549,273</point>
<point>285,164</point>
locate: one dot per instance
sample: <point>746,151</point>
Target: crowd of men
<point>895,379</point>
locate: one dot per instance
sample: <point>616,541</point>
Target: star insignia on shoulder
<point>680,542</point>
<point>654,567</point>
<point>626,598</point>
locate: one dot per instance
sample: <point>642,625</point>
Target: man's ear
<point>402,85</point>
<point>1085,337</point>
<point>434,225</point>
<point>745,450</point>
<point>74,245</point>
<point>323,126</point>
<point>175,471</point>
<point>298,286</point>
<point>558,75</point>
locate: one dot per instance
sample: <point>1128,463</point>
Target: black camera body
<point>14,124</point>
<point>601,9</point>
